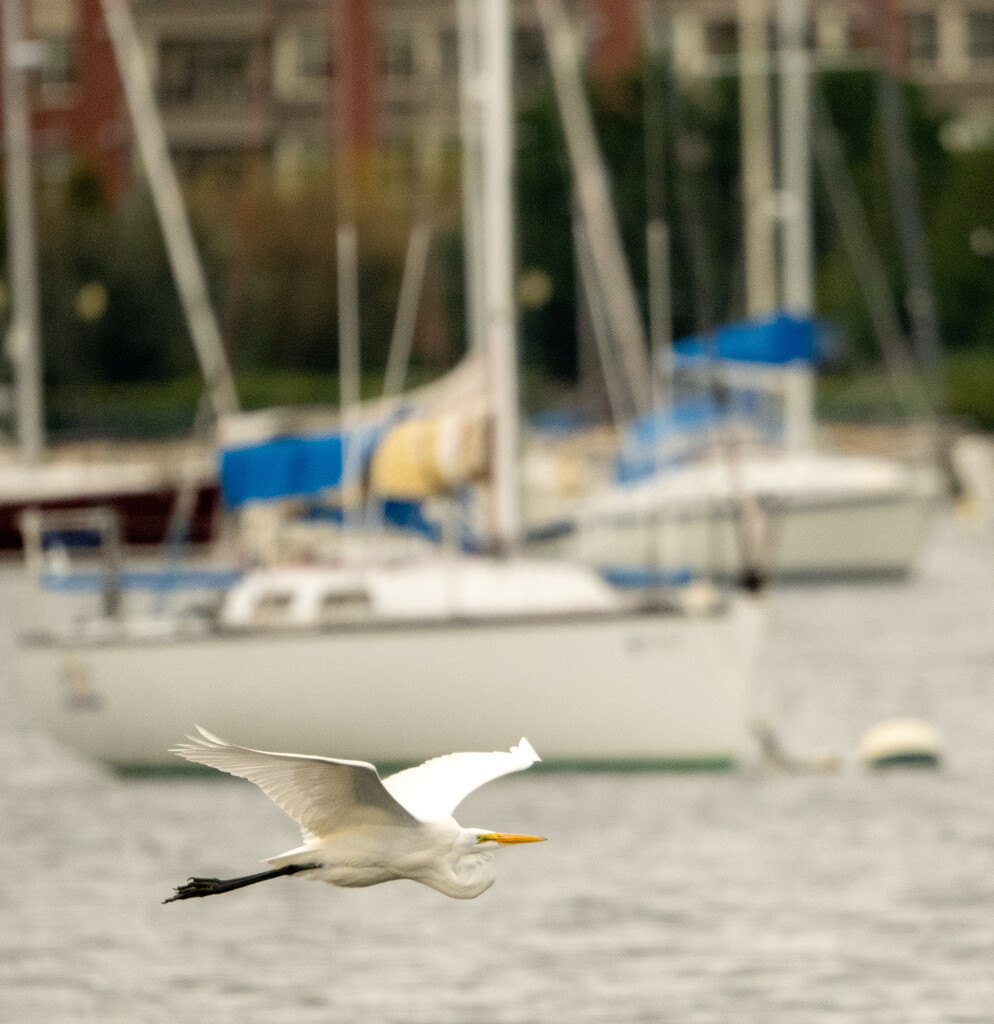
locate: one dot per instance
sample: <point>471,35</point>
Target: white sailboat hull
<point>853,538</point>
<point>645,686</point>
<point>869,520</point>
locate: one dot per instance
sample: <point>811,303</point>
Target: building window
<point>721,38</point>
<point>980,35</point>
<point>397,56</point>
<point>57,70</point>
<point>301,65</point>
<point>312,56</point>
<point>54,24</point>
<point>195,73</point>
<point>923,38</point>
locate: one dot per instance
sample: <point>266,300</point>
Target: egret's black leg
<point>213,886</point>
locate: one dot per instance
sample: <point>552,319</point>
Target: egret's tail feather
<point>214,886</point>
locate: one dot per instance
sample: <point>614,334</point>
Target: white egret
<point>360,829</point>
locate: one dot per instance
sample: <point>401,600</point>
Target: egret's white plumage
<point>359,829</point>
<point>437,787</point>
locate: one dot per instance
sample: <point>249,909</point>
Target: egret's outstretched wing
<point>435,789</point>
<point>321,794</point>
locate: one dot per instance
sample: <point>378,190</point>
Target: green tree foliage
<point>700,159</point>
<point>701,204</point>
<point>270,253</point>
<point>962,250</point>
<point>140,335</point>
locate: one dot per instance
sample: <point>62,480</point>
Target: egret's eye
<point>486,837</point>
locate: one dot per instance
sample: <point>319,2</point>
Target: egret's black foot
<point>197,887</point>
<point>213,886</point>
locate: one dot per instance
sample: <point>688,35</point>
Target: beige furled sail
<point>424,457</point>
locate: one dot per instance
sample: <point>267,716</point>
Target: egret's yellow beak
<point>506,838</point>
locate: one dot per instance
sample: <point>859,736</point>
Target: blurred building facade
<point>297,78</point>
<point>78,113</point>
<point>292,80</point>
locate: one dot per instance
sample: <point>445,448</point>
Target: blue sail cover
<point>410,516</point>
<point>667,436</point>
<point>776,340</point>
<point>407,516</point>
<point>293,466</point>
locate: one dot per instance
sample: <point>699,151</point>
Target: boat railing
<point>78,553</point>
<point>50,535</point>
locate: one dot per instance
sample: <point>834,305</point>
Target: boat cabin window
<point>273,606</point>
<point>344,606</point>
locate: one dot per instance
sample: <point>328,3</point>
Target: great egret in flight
<point>360,829</point>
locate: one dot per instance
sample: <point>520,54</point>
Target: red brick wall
<point>357,68</point>
<point>618,39</point>
<point>89,120</point>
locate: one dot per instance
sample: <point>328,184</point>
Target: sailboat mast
<point>191,283</point>
<point>757,170</point>
<point>594,203</point>
<point>23,343</point>
<point>795,157</point>
<point>498,264</point>
<point>797,251</point>
<point>469,133</point>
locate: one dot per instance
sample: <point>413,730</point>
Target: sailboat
<point>671,500</point>
<point>395,661</point>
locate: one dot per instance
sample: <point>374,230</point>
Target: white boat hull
<point>645,686</point>
<point>854,538</point>
<point>870,519</point>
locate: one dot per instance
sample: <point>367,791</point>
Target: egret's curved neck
<point>453,862</point>
<point>470,875</point>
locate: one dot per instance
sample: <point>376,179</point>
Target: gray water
<point>737,898</point>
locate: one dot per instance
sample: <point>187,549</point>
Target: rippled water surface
<point>738,898</point>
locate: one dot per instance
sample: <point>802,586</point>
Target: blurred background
<point>266,104</point>
<point>750,254</point>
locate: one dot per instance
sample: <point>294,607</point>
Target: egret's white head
<point>470,867</point>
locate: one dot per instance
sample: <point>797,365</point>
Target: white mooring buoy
<point>901,741</point>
